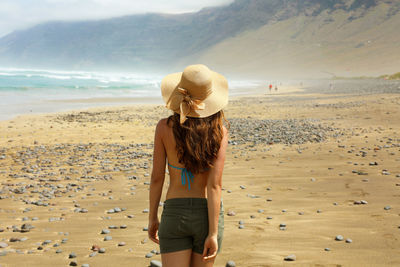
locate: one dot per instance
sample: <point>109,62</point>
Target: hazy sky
<point>20,14</point>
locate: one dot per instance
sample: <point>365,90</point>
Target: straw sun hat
<point>196,92</point>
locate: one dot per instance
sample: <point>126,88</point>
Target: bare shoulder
<point>161,127</point>
<point>225,130</point>
<point>162,124</point>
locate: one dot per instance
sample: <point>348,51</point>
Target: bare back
<point>176,189</point>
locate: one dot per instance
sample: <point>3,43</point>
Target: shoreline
<point>53,106</point>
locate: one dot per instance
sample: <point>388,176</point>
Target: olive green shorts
<point>184,225</point>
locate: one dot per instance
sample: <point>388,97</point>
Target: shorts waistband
<point>187,202</point>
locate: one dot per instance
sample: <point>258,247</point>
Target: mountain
<point>250,37</point>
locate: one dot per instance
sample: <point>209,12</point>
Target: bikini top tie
<point>185,175</point>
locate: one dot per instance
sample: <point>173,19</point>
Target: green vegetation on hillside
<point>395,76</point>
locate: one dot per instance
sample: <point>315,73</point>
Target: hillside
<point>332,43</point>
<point>249,37</point>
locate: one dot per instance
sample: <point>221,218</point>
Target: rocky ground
<point>311,179</point>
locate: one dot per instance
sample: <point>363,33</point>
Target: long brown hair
<point>198,140</point>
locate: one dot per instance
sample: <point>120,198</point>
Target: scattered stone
<point>72,255</point>
<point>3,245</point>
<point>230,264</point>
<point>149,255</point>
<point>105,231</point>
<point>387,207</point>
<point>155,263</point>
<point>107,238</point>
<point>339,238</point>
<point>290,257</point>
<point>121,244</point>
<point>327,249</point>
<point>348,240</point>
<point>102,250</point>
<point>231,213</point>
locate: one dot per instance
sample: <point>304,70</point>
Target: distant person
<point>270,87</point>
<point>276,88</point>
<point>193,143</point>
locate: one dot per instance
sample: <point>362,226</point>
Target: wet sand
<point>299,167</point>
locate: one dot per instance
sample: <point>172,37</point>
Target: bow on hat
<point>186,103</point>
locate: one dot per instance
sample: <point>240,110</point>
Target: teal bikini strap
<point>185,175</point>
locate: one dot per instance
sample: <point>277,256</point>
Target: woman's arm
<point>157,180</point>
<point>214,184</point>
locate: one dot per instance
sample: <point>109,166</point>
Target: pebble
<point>72,255</point>
<point>121,244</point>
<point>102,250</point>
<point>290,257</point>
<point>73,263</point>
<point>149,255</point>
<point>230,264</point>
<point>155,263</point>
<point>3,245</point>
<point>339,238</point>
<point>387,207</point>
<point>327,249</point>
<point>231,213</point>
<point>85,265</point>
<point>46,242</point>
<point>93,254</point>
<point>107,238</point>
<point>348,240</point>
<point>105,231</point>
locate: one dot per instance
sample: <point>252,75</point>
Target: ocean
<point>29,91</point>
<point>24,91</point>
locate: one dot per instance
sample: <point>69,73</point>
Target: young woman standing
<point>192,142</point>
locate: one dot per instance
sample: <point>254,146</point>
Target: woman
<point>194,141</point>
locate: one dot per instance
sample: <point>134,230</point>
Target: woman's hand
<point>210,248</point>
<point>152,230</point>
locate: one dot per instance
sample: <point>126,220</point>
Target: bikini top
<point>185,175</point>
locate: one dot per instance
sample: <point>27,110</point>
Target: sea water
<point>29,91</point>
<point>24,91</point>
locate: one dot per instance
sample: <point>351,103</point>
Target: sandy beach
<point>309,175</point>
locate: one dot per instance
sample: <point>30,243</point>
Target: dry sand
<point>100,159</point>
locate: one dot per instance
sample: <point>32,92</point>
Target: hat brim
<point>214,102</point>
